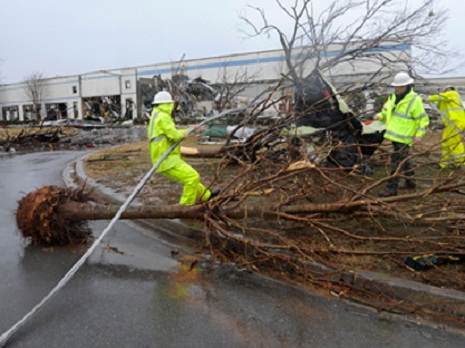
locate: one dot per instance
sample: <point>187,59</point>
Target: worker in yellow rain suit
<point>162,134</point>
<point>453,115</point>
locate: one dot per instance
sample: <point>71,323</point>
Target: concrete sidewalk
<point>421,298</point>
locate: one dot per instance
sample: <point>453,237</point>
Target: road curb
<point>419,296</point>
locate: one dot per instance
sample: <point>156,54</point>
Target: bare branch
<point>34,88</point>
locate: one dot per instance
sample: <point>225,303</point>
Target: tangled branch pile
<point>316,213</point>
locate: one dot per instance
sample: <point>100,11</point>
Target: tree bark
<point>73,211</point>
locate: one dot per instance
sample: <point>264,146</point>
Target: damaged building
<point>197,83</point>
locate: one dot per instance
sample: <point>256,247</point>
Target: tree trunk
<point>74,211</point>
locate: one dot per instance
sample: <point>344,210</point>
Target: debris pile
<point>35,138</point>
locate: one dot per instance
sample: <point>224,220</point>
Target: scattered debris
<point>113,249</point>
<point>425,262</point>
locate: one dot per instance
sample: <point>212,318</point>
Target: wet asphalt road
<point>142,297</point>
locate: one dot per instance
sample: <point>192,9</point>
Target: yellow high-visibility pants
<point>453,151</point>
<point>193,188</point>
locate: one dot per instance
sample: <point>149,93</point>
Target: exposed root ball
<point>38,219</point>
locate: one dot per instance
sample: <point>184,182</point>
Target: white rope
<point>7,335</point>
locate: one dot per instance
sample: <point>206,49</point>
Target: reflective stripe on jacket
<point>162,134</point>
<point>450,104</point>
<point>406,121</point>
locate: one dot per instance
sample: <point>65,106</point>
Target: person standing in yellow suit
<point>453,115</point>
<point>162,134</point>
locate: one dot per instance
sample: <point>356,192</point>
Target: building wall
<point>261,67</point>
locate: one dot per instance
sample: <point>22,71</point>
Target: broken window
<point>28,112</point>
<point>75,110</point>
<point>10,113</point>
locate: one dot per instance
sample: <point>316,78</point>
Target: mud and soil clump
<point>39,220</point>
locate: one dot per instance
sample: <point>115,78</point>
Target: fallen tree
<point>284,211</point>
<point>269,223</point>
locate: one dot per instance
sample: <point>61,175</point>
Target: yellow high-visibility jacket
<point>162,134</point>
<point>450,104</point>
<point>406,121</point>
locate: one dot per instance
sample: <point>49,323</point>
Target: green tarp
<point>217,130</point>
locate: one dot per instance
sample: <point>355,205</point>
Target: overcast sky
<point>68,37</point>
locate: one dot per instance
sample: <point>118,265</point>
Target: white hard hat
<point>162,98</point>
<point>402,79</point>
